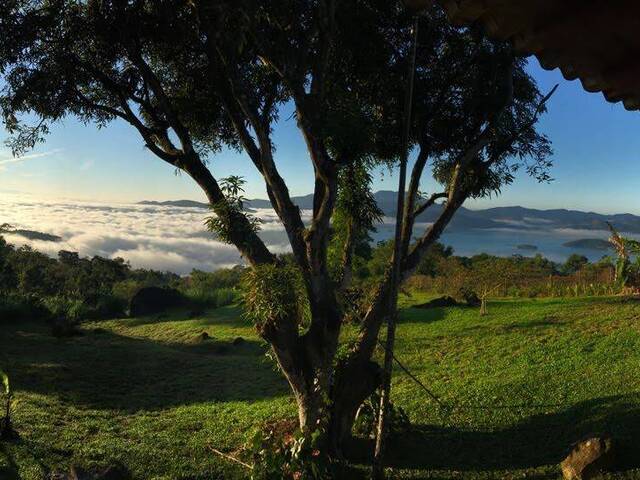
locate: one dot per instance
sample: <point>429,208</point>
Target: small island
<point>589,244</point>
<point>526,246</point>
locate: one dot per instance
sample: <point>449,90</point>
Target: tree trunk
<point>310,389</point>
<point>354,383</point>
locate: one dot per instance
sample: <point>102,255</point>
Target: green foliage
<point>574,263</point>
<point>6,385</point>
<point>75,289</point>
<point>216,298</point>
<point>223,278</point>
<point>354,304</point>
<point>288,455</point>
<point>367,418</point>
<point>15,307</point>
<point>62,308</point>
<point>354,218</point>
<point>74,310</point>
<point>516,276</point>
<point>8,278</point>
<point>627,269</point>
<point>274,294</point>
<point>213,289</point>
<point>429,263</point>
<point>225,222</point>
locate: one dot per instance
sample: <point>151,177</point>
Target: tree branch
<point>430,201</point>
<point>241,113</point>
<point>165,103</point>
<point>347,256</point>
<point>245,239</point>
<point>508,142</point>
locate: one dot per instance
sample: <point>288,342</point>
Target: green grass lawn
<point>525,381</point>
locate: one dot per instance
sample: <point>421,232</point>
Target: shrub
<point>366,421</point>
<point>62,308</point>
<point>282,452</point>
<point>108,307</point>
<point>18,307</point>
<point>126,289</point>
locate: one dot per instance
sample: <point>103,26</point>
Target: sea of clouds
<point>148,236</point>
<point>174,239</point>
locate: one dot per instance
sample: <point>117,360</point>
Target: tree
<point>626,272</point>
<point>36,272</point>
<point>194,77</point>
<point>8,279</point>
<point>574,263</point>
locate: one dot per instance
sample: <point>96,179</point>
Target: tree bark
<point>354,383</point>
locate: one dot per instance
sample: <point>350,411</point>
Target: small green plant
<point>273,294</point>
<point>367,417</point>
<point>225,222</point>
<point>6,427</point>
<point>290,455</point>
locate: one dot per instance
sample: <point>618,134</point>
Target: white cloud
<point>158,237</point>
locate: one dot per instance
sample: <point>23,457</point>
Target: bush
<point>126,289</point>
<point>62,308</point>
<point>280,451</point>
<point>152,300</point>
<point>17,307</point>
<point>366,421</point>
<point>108,307</point>
<point>207,281</point>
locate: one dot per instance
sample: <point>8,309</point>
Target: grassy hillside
<point>524,382</point>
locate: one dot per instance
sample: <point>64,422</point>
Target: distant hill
<point>29,234</point>
<point>176,203</point>
<point>589,244</point>
<point>498,217</point>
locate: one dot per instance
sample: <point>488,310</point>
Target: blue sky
<point>596,156</point>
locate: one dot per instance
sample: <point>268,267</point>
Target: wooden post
<point>378,466</point>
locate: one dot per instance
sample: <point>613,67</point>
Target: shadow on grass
<point>108,371</point>
<point>541,440</point>
<point>228,314</point>
<point>10,471</point>
<point>423,315</point>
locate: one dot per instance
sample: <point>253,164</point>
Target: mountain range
<point>491,218</point>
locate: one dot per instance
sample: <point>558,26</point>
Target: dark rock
<point>472,299</point>
<point>203,337</point>
<point>469,297</point>
<point>445,301</point>
<point>152,300</point>
<point>238,341</point>
<point>588,458</point>
<point>195,314</point>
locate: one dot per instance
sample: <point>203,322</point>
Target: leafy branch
<point>228,211</point>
